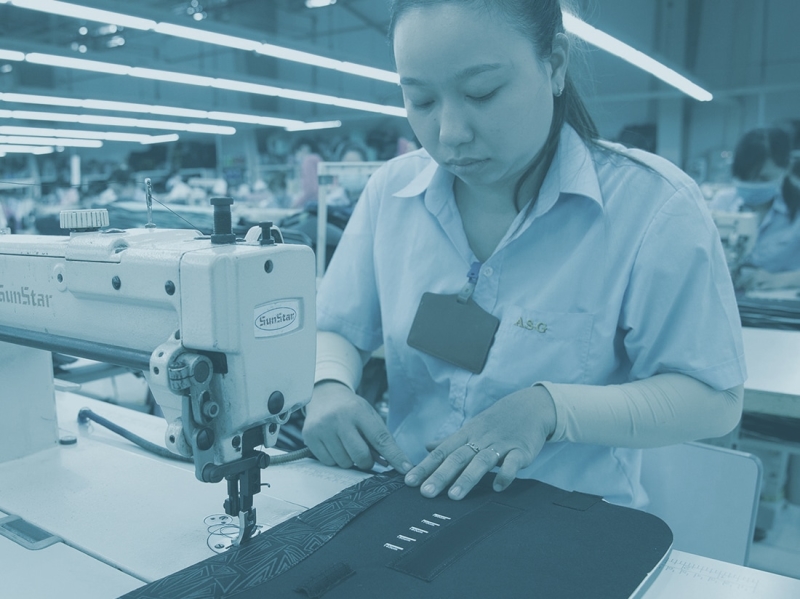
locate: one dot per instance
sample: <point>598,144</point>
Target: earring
<point>559,91</point>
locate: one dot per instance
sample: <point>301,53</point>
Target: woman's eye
<point>484,97</point>
<point>422,105</point>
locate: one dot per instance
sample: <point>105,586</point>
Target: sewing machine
<point>223,330</point>
<point>738,232</point>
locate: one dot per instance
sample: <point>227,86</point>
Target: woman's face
<point>478,98</point>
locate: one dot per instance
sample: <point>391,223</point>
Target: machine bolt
<point>268,266</point>
<point>201,371</point>
<point>204,439</point>
<point>169,287</point>
<point>116,283</point>
<point>275,402</point>
<point>273,428</point>
<point>210,409</point>
<point>236,442</point>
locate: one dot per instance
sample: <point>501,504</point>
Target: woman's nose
<point>454,127</point>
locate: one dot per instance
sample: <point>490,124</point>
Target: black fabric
<point>393,543</point>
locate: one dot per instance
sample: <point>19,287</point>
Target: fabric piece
<point>405,545</point>
<point>271,554</point>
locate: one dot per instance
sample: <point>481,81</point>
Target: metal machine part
<point>223,329</point>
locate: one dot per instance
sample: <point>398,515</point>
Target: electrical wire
<point>85,414</point>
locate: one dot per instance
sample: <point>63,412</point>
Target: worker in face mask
<point>764,185</point>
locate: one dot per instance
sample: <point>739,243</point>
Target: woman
<point>616,325</point>
<point>767,183</point>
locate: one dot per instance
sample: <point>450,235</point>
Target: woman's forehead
<point>460,40</point>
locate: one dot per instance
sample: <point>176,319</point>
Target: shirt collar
<point>568,174</point>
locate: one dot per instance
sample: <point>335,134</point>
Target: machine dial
<point>84,220</point>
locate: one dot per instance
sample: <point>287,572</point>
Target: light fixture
<point>51,141</point>
<point>75,11</point>
<point>315,126</point>
<point>219,83</point>
<point>319,3</point>
<point>38,150</point>
<point>103,16</point>
<point>80,134</point>
<point>12,55</point>
<point>113,121</point>
<point>191,113</point>
<point>639,59</point>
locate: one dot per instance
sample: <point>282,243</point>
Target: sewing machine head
<point>223,329</point>
<point>738,231</point>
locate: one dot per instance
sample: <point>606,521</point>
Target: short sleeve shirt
<point>615,273</point>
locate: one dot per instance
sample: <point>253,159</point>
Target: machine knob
<point>84,220</point>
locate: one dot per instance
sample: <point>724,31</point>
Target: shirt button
<point>487,271</point>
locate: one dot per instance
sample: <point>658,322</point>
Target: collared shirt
<point>777,247</point>
<point>616,273</point>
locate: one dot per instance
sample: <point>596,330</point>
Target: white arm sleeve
<point>338,360</point>
<point>664,409</point>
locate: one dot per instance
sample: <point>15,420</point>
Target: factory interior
<point>175,180</point>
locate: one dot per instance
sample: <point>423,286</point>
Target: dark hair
<point>756,147</point>
<point>539,21</point>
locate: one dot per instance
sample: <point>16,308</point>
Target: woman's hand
<point>510,433</point>
<point>343,429</point>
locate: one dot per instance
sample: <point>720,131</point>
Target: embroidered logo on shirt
<point>531,325</point>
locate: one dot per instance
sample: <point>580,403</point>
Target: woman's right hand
<point>343,429</point>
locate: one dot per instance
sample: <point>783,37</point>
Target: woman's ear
<point>559,60</point>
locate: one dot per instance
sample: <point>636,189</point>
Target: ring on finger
<point>473,447</point>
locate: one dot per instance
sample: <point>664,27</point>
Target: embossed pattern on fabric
<point>272,553</point>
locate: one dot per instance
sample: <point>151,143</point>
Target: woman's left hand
<point>510,433</point>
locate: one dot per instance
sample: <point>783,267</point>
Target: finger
<point>482,463</point>
<point>433,445</point>
<point>317,447</point>
<point>357,449</point>
<point>338,452</point>
<point>435,458</point>
<point>376,433</point>
<point>512,462</point>
<point>450,468</point>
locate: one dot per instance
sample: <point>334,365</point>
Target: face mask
<point>756,193</point>
<point>353,183</point>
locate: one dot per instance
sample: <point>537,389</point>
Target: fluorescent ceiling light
<point>208,37</point>
<point>79,134</point>
<point>613,46</point>
<point>571,23</point>
<point>198,35</point>
<point>77,63</point>
<point>219,83</point>
<point>314,126</point>
<point>160,139</point>
<point>113,121</point>
<point>65,9</point>
<point>51,141</point>
<point>232,117</point>
<point>11,149</point>
<point>11,55</point>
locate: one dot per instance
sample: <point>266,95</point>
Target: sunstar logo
<point>24,296</point>
<point>277,318</point>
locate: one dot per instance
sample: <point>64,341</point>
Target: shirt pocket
<point>536,345</point>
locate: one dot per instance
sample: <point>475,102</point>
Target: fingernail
<point>497,487</point>
<point>429,489</point>
<point>455,492</point>
<point>411,479</point>
<point>406,466</point>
